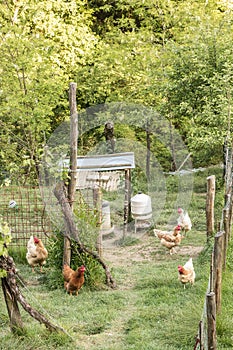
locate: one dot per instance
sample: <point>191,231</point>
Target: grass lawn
<point>149,309</point>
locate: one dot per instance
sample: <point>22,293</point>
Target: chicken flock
<point>172,239</point>
<point>74,279</point>
<point>36,256</point>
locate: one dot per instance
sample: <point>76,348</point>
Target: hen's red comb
<point>36,240</point>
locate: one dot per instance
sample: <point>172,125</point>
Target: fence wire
<point>24,210</point>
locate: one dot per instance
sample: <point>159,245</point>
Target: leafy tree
<point>40,46</point>
<point>198,89</point>
<point>165,54</point>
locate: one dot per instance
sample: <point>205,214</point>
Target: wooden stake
<point>127,201</point>
<point>211,321</point>
<point>210,205</point>
<point>217,268</point>
<point>226,225</point>
<point>73,164</point>
<point>97,199</point>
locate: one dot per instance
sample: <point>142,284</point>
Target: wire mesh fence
<point>24,210</point>
<point>33,210</point>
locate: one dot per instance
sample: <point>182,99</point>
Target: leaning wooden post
<point>201,335</point>
<point>73,163</point>
<point>210,205</point>
<point>16,323</point>
<point>217,269</point>
<point>127,200</point>
<point>226,235</point>
<point>230,214</point>
<point>211,321</point>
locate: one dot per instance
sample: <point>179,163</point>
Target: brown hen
<point>73,280</point>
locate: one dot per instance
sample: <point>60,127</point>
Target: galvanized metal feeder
<point>141,210</point>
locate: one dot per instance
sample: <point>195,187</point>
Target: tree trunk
<point>16,323</point>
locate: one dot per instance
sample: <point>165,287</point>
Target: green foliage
<point>94,274</point>
<point>5,239</point>
<point>39,48</point>
<point>86,223</point>
<point>18,254</point>
<point>173,56</point>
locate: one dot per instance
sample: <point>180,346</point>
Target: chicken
<point>36,253</point>
<point>186,273</point>
<point>160,233</point>
<point>184,220</point>
<point>73,280</point>
<point>169,239</point>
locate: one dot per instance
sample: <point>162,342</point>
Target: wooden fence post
<point>97,199</point>
<point>230,214</point>
<point>211,320</point>
<point>217,269</point>
<point>73,163</point>
<point>127,209</point>
<point>201,335</point>
<point>226,225</point>
<point>210,205</point>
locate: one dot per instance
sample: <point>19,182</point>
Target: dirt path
<point>147,249</point>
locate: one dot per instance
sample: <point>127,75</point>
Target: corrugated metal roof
<point>114,161</point>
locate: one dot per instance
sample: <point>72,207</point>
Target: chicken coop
<point>105,172</point>
<point>24,211</point>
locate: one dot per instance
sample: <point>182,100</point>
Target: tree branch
<point>7,264</point>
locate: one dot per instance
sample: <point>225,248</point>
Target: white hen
<point>36,253</point>
<point>184,220</point>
